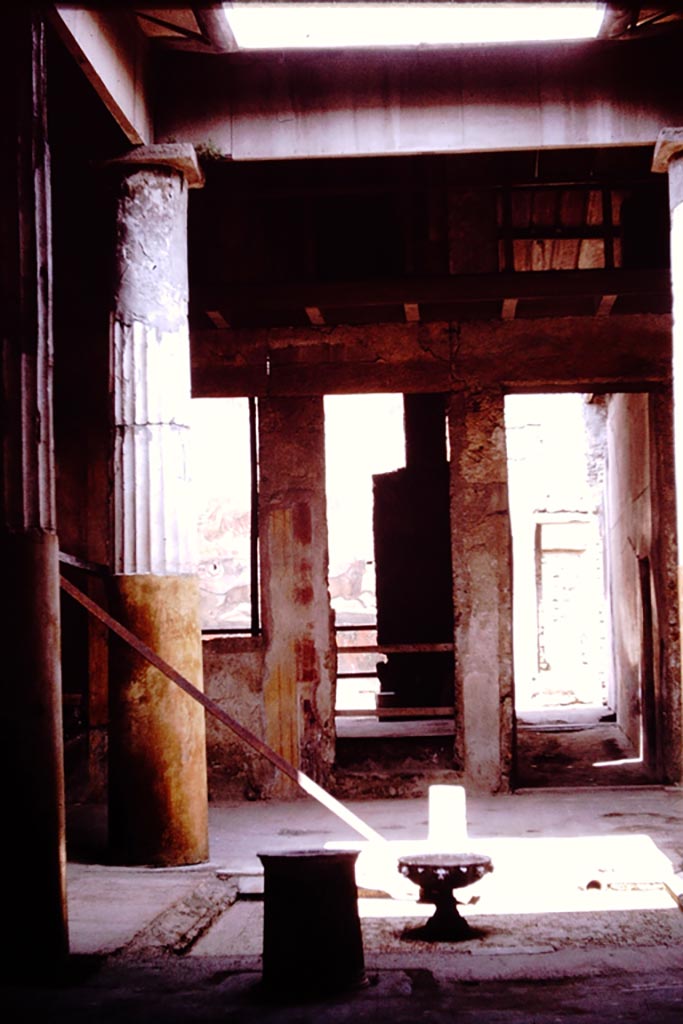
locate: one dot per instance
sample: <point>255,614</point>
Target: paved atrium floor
<point>581,918</point>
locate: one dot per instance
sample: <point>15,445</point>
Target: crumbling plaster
<point>233,674</point>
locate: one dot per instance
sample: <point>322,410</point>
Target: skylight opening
<point>281,26</point>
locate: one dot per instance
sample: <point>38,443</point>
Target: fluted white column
<point>157,766</point>
<point>153,527</point>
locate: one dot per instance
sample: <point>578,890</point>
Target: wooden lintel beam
<point>456,288</point>
<point>113,54</point>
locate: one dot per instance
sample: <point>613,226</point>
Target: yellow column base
<point>158,811</point>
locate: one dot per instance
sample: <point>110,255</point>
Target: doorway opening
<point>390,577</point>
<point>363,437</point>
<point>579,716</point>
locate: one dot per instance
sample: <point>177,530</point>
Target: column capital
<point>669,144</point>
<point>180,156</point>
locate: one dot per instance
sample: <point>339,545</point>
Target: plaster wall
<point>642,558</point>
<point>233,675</point>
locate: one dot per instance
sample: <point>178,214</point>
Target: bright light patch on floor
<point>312,26</point>
<point>531,875</point>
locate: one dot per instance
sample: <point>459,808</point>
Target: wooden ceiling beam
<point>114,56</point>
<point>215,27</point>
<point>618,19</point>
<point>458,288</point>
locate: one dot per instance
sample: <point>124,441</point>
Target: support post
<point>157,751</point>
<point>298,690</point>
<point>482,559</point>
<point>668,157</point>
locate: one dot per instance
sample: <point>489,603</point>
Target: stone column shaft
<point>298,689</point>
<point>158,787</point>
<point>482,573</point>
<point>31,758</point>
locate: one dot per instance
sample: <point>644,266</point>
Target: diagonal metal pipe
<point>300,778</point>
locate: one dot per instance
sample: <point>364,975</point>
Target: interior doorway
<point>363,437</point>
<point>390,578</point>
<point>579,712</point>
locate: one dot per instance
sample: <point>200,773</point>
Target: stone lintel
<point>181,156</point>
<point>669,144</point>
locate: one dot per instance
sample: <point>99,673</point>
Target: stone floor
<point>570,752</point>
<point>580,919</point>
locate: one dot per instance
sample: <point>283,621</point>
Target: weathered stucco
<point>153,514</point>
<point>482,589</point>
<point>298,683</point>
<point>150,282</point>
<point>233,673</point>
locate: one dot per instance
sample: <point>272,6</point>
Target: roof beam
<point>410,292</point>
<point>617,353</point>
<point>113,54</point>
<point>215,27</point>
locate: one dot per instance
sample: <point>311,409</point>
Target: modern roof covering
<point>206,26</point>
<point>284,25</point>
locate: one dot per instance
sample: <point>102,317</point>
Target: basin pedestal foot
<point>445,925</point>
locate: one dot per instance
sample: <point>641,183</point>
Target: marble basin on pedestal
<point>437,875</point>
